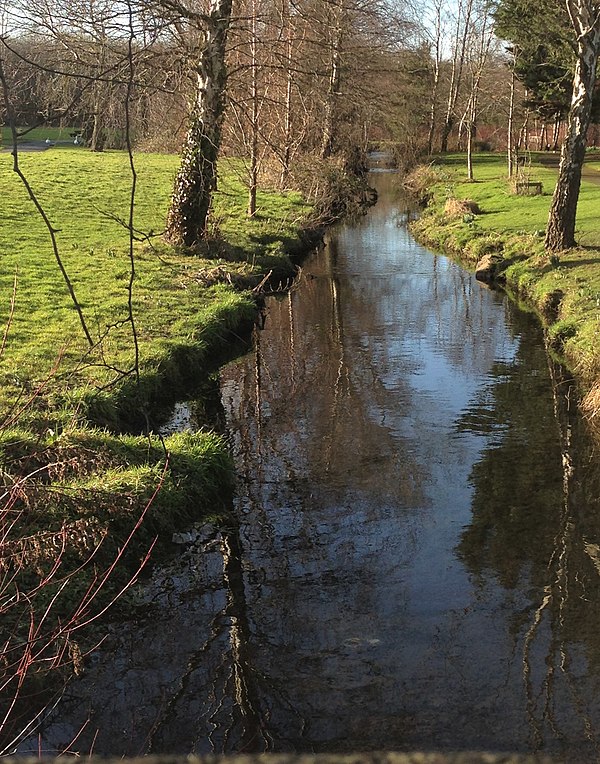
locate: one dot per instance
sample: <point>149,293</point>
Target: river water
<point>414,560</point>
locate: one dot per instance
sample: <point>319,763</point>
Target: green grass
<point>504,212</point>
<point>564,290</point>
<point>53,387</point>
<point>37,134</point>
<point>175,303</point>
<point>90,478</point>
<point>185,309</point>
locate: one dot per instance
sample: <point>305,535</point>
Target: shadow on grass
<point>575,262</point>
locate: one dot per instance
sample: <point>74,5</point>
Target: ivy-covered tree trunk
<point>560,233</point>
<point>196,179</point>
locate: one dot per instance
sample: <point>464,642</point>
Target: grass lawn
<point>175,299</point>
<point>37,134</point>
<point>507,213</point>
<point>565,290</point>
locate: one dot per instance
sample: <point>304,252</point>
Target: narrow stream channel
<point>415,561</point>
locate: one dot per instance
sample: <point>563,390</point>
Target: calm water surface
<point>415,556</point>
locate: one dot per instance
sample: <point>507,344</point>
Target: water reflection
<point>363,462</point>
<point>544,546</point>
<point>415,554</point>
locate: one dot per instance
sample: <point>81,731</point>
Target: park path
<point>591,168</point>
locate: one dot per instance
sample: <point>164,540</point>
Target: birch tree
<point>585,19</point>
<point>336,36</point>
<point>286,153</point>
<point>482,34</point>
<point>459,51</point>
<point>196,179</point>
<point>436,40</point>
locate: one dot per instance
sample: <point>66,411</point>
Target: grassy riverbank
<point>485,217</point>
<point>160,323</point>
<point>179,302</point>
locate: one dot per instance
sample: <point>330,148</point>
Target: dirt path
<point>591,169</point>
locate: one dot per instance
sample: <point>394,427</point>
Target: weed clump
<point>485,244</point>
<point>459,208</point>
<point>422,179</point>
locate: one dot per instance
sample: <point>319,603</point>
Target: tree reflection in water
<point>536,529</point>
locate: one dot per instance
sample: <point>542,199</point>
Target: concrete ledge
<point>415,757</point>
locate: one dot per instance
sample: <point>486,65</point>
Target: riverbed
<point>413,560</point>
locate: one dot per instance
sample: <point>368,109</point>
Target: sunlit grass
<point>36,134</point>
<point>504,211</point>
<point>87,198</point>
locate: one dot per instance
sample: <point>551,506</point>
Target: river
<point>414,561</point>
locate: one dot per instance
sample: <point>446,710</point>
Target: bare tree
<point>510,143</point>
<point>434,29</point>
<point>337,21</point>
<point>481,38</point>
<point>459,52</point>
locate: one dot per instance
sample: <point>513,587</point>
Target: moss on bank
<point>564,290</point>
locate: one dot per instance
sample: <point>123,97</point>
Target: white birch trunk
<point>560,233</point>
<point>196,179</point>
<point>465,9</point>
<point>327,146</point>
<point>287,126</point>
<point>253,185</point>
<point>511,116</point>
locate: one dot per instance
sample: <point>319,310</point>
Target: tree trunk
<point>433,109</point>
<point>560,233</point>
<point>470,136</point>
<point>327,146</point>
<point>465,9</point>
<point>99,96</point>
<point>556,132</point>
<point>485,38</point>
<point>97,137</point>
<point>511,118</point>
<point>523,142</point>
<point>253,181</point>
<point>446,130</point>
<point>287,126</point>
<point>196,179</point>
